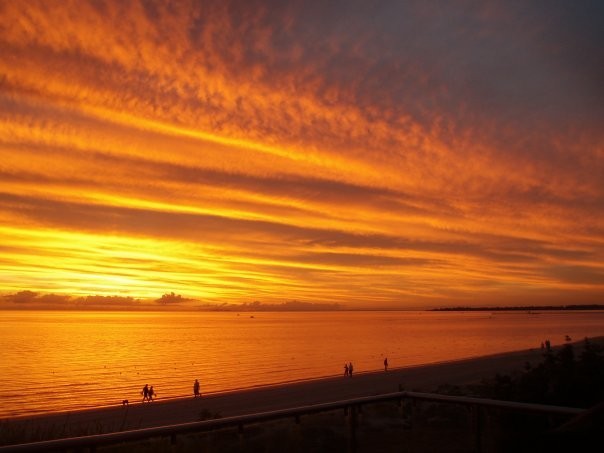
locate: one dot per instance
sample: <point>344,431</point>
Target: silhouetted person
<point>151,393</point>
<point>145,393</point>
<point>196,389</point>
<point>350,369</point>
<point>548,346</point>
<point>345,369</point>
<point>386,364</point>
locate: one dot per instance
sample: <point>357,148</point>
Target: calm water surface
<point>54,361</point>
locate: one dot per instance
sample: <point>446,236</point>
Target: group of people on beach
<point>546,345</point>
<point>348,367</point>
<point>148,393</point>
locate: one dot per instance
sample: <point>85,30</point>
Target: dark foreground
<point>381,427</point>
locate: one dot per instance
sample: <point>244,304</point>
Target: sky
<point>378,154</point>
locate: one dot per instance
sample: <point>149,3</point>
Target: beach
<point>135,415</point>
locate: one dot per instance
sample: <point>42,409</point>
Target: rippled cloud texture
<point>370,154</point>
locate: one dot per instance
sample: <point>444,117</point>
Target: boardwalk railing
<point>351,407</point>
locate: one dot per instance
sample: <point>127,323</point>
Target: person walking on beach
<point>345,369</point>
<point>350,369</point>
<point>151,394</point>
<point>196,389</point>
<point>145,393</point>
<point>386,364</point>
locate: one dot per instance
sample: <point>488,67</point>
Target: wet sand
<point>165,412</point>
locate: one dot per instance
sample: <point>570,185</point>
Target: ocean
<point>60,361</point>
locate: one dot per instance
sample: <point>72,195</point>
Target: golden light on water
<point>223,152</point>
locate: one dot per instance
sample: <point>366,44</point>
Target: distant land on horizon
<point>524,308</point>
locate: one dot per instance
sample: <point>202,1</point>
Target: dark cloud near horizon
<point>41,300</point>
<point>106,302</point>
<point>22,297</point>
<point>28,298</point>
<point>292,305</point>
<point>171,299</point>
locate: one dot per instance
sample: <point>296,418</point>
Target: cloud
<point>421,149</point>
<point>35,300</point>
<point>107,303</point>
<point>44,301</point>
<point>407,78</point>
<point>171,299</point>
<point>22,297</point>
<point>292,305</point>
<point>588,275</point>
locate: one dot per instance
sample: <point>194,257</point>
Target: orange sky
<point>389,156</point>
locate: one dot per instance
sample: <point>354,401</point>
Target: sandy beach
<point>163,412</point>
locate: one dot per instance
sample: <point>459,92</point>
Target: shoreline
<point>279,384</point>
<point>291,382</point>
<point>170,411</point>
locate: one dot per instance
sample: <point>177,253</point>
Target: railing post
<point>478,427</point>
<point>352,422</point>
<point>241,437</point>
<point>413,413</point>
<point>173,442</point>
<point>298,433</point>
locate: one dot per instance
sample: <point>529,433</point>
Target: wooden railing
<point>351,407</point>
